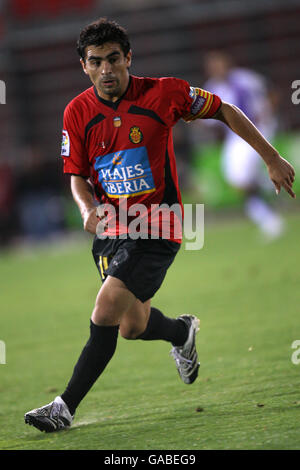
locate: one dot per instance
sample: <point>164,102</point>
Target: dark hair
<point>100,32</point>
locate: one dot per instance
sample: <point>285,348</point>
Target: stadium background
<point>40,67</point>
<point>246,292</point>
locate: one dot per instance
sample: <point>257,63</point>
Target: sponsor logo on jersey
<point>65,144</point>
<point>117,160</point>
<point>135,135</point>
<point>125,173</point>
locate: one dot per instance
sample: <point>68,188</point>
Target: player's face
<point>107,68</point>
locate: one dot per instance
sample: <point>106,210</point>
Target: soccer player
<point>117,145</point>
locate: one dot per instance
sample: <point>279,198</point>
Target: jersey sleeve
<point>182,101</point>
<point>204,104</point>
<point>72,147</point>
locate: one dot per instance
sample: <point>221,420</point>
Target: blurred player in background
<point>117,146</point>
<point>241,164</point>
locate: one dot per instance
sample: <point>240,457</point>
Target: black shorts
<point>141,264</point>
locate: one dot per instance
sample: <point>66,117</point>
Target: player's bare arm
<point>82,192</point>
<point>281,172</point>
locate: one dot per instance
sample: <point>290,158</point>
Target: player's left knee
<point>129,331</point>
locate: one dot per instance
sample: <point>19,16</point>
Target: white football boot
<point>52,417</point>
<point>186,357</point>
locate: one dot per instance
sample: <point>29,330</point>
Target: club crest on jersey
<point>117,121</point>
<point>135,135</point>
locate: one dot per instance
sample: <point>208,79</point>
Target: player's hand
<point>94,220</point>
<point>90,220</point>
<point>282,174</point>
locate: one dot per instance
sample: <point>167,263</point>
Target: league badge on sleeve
<point>192,93</point>
<point>65,144</point>
<point>198,100</point>
<point>201,103</point>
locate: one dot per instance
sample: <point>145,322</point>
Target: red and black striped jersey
<point>125,147</point>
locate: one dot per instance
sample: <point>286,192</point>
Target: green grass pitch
<point>247,296</point>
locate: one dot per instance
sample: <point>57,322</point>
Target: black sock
<point>94,357</point>
<point>168,329</point>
